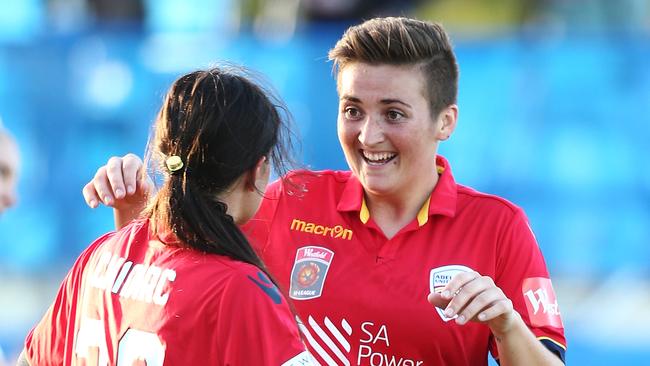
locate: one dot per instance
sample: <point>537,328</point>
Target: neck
<point>392,212</point>
<point>234,198</point>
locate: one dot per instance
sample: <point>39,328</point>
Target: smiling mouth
<point>377,158</point>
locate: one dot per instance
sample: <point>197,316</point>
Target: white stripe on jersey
<point>328,341</point>
<point>344,342</point>
<point>321,352</point>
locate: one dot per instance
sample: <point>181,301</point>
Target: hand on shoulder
<point>122,184</point>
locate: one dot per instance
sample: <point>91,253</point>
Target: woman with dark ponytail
<point>182,285</point>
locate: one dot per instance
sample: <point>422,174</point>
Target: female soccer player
<point>365,253</point>
<point>182,285</point>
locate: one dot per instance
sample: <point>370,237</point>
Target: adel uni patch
<point>309,271</point>
<point>440,277</point>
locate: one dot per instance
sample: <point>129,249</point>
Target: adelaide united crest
<point>309,272</point>
<point>439,278</point>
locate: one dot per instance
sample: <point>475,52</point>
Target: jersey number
<point>134,345</point>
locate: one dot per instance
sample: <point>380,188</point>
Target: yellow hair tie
<point>174,163</point>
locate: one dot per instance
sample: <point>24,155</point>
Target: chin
<point>374,187</point>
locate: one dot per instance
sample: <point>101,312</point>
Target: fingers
<point>115,178</point>
<point>119,178</point>
<point>498,308</point>
<point>437,300</point>
<point>474,297</point>
<point>458,282</point>
<point>90,195</point>
<point>102,186</point>
<point>481,302</point>
<point>133,172</point>
<point>145,184</point>
<point>465,287</point>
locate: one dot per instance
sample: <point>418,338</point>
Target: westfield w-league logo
<point>309,272</point>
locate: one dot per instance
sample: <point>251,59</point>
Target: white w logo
<point>336,345</point>
<point>540,297</point>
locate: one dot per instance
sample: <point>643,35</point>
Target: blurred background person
<point>9,165</point>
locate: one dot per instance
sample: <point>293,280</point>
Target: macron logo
<point>337,231</point>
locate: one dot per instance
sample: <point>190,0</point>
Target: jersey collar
<point>167,236</point>
<point>442,200</point>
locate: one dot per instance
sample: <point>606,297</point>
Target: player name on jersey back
<point>137,281</point>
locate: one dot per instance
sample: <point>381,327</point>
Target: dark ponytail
<point>220,124</point>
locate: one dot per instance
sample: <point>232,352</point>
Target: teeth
<point>378,157</point>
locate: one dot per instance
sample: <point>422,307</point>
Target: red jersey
<point>363,298</point>
<point>130,297</point>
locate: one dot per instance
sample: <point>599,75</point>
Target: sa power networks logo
<point>541,302</point>
<point>343,344</point>
<point>440,277</point>
<point>309,271</point>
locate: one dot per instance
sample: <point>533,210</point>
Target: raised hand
<point>475,298</point>
<point>122,184</point>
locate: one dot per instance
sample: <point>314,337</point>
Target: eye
<point>352,113</point>
<point>394,115</point>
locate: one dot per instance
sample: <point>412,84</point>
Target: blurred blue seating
<point>558,127</point>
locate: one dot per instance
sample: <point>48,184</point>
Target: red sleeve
<point>255,325</point>
<point>522,275</point>
<point>258,228</point>
<point>51,341</point>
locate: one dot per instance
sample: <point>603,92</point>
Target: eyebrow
<point>351,98</point>
<point>383,101</point>
<point>391,101</point>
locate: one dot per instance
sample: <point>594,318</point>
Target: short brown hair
<point>404,41</point>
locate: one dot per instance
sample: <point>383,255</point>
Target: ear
<point>446,123</point>
<point>259,173</point>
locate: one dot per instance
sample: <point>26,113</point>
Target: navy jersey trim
<point>555,348</point>
<point>268,287</point>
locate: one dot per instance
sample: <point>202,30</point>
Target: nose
<point>371,132</point>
